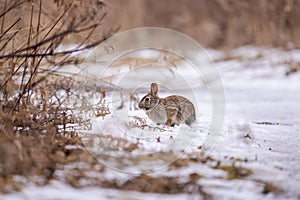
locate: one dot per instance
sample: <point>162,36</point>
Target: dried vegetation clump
<point>165,184</point>
<point>37,103</point>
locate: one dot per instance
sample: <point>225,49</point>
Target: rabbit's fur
<point>170,111</point>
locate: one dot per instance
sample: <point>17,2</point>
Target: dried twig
<point>141,123</point>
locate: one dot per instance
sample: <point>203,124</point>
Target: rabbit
<point>170,111</point>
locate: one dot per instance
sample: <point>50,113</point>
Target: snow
<point>261,126</point>
<point>60,191</point>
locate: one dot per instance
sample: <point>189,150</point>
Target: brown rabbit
<point>170,110</point>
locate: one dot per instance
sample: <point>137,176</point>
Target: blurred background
<point>213,23</point>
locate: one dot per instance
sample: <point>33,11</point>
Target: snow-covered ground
<point>260,138</point>
<point>262,120</point>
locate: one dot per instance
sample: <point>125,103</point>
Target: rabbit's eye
<point>147,99</point>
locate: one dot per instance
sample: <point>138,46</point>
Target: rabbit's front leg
<point>169,122</point>
<point>171,117</point>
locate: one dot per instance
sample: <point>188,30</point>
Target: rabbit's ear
<point>154,89</point>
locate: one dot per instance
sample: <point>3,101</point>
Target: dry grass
<point>37,105</point>
<point>31,156</point>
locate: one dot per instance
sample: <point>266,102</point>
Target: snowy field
<point>257,155</point>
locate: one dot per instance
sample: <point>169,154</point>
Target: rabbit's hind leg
<point>191,120</point>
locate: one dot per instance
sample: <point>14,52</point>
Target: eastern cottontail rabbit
<point>170,110</point>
